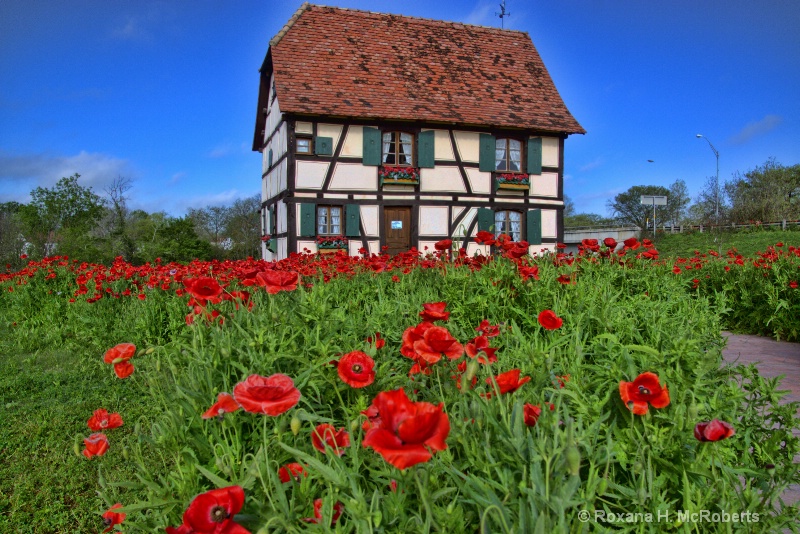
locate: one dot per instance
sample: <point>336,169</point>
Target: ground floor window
<point>509,223</point>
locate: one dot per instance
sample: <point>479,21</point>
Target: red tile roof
<point>359,64</point>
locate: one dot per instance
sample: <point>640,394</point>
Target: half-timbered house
<point>390,131</point>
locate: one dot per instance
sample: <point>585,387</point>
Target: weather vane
<point>503,13</point>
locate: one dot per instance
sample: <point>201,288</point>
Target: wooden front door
<point>397,228</point>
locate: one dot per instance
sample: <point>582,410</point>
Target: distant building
<point>384,130</point>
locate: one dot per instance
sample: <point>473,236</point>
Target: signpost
<point>655,200</point>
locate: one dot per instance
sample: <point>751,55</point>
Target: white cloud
<point>21,173</point>
<point>591,165</point>
<point>754,129</point>
<point>482,14</point>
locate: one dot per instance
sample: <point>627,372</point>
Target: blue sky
<point>164,92</point>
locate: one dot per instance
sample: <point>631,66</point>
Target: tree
<point>587,219</point>
<point>60,219</point>
<point>244,227</point>
<point>709,207</point>
<point>678,200</point>
<point>628,209</point>
<point>180,242</point>
<point>12,242</point>
<point>210,222</point>
<point>767,193</point>
<point>121,242</point>
<point>569,206</point>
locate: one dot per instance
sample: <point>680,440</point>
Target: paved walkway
<point>773,358</point>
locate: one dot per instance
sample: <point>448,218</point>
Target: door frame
<point>412,222</point>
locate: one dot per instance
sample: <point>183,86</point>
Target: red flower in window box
<point>332,241</point>
<point>399,174</point>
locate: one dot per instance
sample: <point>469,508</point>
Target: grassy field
<point>589,452</point>
<point>746,242</point>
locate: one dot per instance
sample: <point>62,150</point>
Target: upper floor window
<point>509,223</point>
<point>329,220</point>
<point>397,148</point>
<point>303,145</point>
<point>508,155</point>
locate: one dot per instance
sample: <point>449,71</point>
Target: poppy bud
<point>354,425</point>
<point>770,469</point>
<point>150,350</point>
<point>77,448</point>
<point>601,487</point>
<point>126,454</point>
<point>469,374</point>
<point>225,352</point>
<point>137,428</point>
<point>573,457</point>
<point>377,517</point>
<point>295,424</point>
<point>693,412</point>
<point>451,507</point>
<point>158,365</point>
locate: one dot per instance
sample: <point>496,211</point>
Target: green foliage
<point>767,193</point>
<point>628,209</point>
<point>497,475</point>
<point>746,242</point>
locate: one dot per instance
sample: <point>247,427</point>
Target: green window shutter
<point>534,227</point>
<point>372,146</point>
<point>269,159</point>
<point>425,152</point>
<point>486,153</point>
<point>323,146</point>
<point>272,244</point>
<point>308,216</point>
<point>352,216</point>
<point>535,155</point>
<point>485,219</point>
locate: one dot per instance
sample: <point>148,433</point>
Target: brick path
<point>773,358</point>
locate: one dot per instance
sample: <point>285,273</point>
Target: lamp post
<point>716,179</point>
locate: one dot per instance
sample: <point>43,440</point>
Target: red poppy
<point>204,289</point>
<point>212,513</point>
<point>610,242</point>
<point>405,432</point>
<point>96,445</point>
<point>487,329</point>
<point>565,279</point>
<point>644,390</point>
<point>531,414</point>
<point>101,420</point>
<point>434,311</point>
<point>484,238</point>
<point>338,508</point>
<point>462,368</point>
<point>478,345</point>
<point>508,382</point>
<point>379,341</point>
<point>327,435</point>
<point>631,243</point>
<point>443,245</point>
<point>356,369</point>
<point>277,281</point>
<point>123,369</point>
<point>111,518</point>
<point>291,471</point>
<point>793,284</point>
<point>714,430</point>
<point>120,353</point>
<point>550,320</point>
<point>434,342</point>
<point>225,404</point>
<point>528,271</point>
<point>272,395</point>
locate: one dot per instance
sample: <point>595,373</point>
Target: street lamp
<point>716,180</point>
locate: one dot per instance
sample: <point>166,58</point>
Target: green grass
<point>46,398</point>
<point>746,242</point>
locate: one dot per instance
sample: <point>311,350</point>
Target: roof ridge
<point>307,5</point>
<point>286,27</point>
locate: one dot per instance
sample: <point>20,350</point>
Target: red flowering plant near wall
<point>388,174</point>
<point>331,241</point>
<point>513,178</point>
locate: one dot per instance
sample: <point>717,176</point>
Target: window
<point>508,155</point>
<point>509,223</point>
<point>329,220</point>
<point>303,145</point>
<point>397,149</point>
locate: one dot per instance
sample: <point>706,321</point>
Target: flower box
<point>398,175</point>
<point>331,243</point>
<point>512,181</point>
<point>331,250</point>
